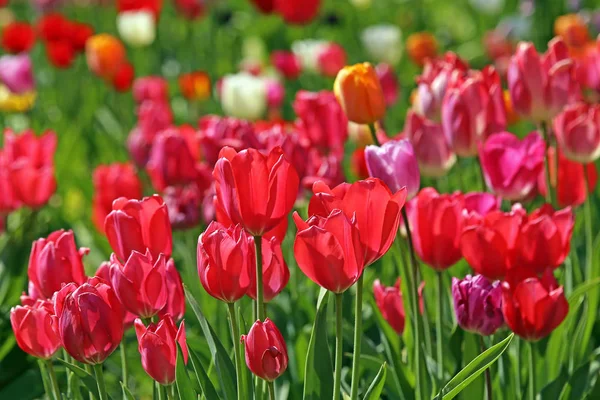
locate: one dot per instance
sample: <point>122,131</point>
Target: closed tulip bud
<point>244,96</point>
<point>389,83</point>
<point>540,86</point>
<point>90,320</point>
<point>266,352</point>
<point>331,59</point>
<point>421,46</point>
<point>195,85</point>
<point>511,166</point>
<point>158,345</point>
<point>55,261</point>
<point>123,78</point>
<point>60,53</point>
<point>396,165</point>
<point>275,271</point>
<point>390,304</point>
<point>383,43</point>
<point>255,190</point>
<point>17,37</point>
<point>359,92</point>
<point>104,54</point>
<point>175,306</point>
<point>477,304</point>
<point>297,12</point>
<point>35,328</point>
<point>139,225</point>
<point>577,131</point>
<point>431,148</point>
<point>150,88</point>
<point>534,307</point>
<point>225,257</point>
<point>16,73</point>
<point>286,63</point>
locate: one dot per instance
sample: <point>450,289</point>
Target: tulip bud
<point>331,59</point>
<point>297,12</point>
<point>477,304</point>
<point>195,85</point>
<point>16,73</point>
<point>18,37</point>
<point>396,165</point>
<point>150,88</point>
<point>137,28</point>
<point>389,83</point>
<point>421,46</point>
<point>158,345</point>
<point>359,92</point>
<point>383,43</point>
<point>104,54</point>
<point>286,63</point>
<point>577,131</point>
<point>266,352</point>
<point>389,302</point>
<point>244,96</point>
<point>90,320</point>
<point>35,328</point>
<point>275,271</point>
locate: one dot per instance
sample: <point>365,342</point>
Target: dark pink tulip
<point>184,204</point>
<point>389,301</point>
<point>35,328</point>
<point>286,63</point>
<point>16,73</point>
<point>153,117</point>
<point>389,83</point>
<point>275,271</point>
<point>55,261</point>
<point>217,132</point>
<point>480,203</point>
<point>150,88</point>
<point>511,166</point>
<point>266,351</point>
<point>331,59</point>
<point>577,131</point>
<point>395,164</point>
<point>478,304</point>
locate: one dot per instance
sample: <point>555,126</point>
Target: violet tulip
<point>478,304</point>
<point>396,165</point>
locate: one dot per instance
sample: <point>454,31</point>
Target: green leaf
<point>471,349</point>
<point>553,389</point>
<point>475,368</point>
<point>126,393</point>
<point>224,366</point>
<point>318,372</point>
<point>206,385</point>
<point>184,385</point>
<point>374,391</point>
<point>87,379</point>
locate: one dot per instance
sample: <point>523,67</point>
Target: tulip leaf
<point>206,385</point>
<point>318,372</point>
<point>86,378</point>
<point>126,393</point>
<point>475,368</point>
<point>374,391</point>
<point>224,366</point>
<point>184,385</point>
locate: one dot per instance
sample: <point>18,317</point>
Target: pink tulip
<point>287,64</point>
<point>389,301</point>
<point>389,83</point>
<point>150,88</point>
<point>577,131</point>
<point>395,164</point>
<point>16,73</point>
<point>331,59</point>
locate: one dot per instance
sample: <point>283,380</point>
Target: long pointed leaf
<point>88,380</point>
<point>206,385</point>
<point>184,385</point>
<point>374,391</point>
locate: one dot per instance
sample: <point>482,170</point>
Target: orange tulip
<point>511,115</point>
<point>421,46</point>
<point>359,92</point>
<point>105,54</point>
<point>195,85</point>
<point>572,29</point>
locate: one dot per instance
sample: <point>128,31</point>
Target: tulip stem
<point>170,391</point>
<point>235,334</point>
<point>532,390</point>
<point>337,383</point>
<point>123,362</point>
<point>100,382</point>
<point>488,377</point>
<point>260,310</point>
<point>373,131</point>
<point>439,326</point>
<point>53,380</point>
<point>357,338</point>
<point>549,190</point>
<point>271,391</point>
<point>587,211</point>
<point>44,374</point>
<point>482,176</point>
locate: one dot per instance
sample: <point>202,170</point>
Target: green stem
<point>123,361</point>
<point>89,370</point>
<point>271,391</point>
<point>488,377</point>
<point>357,338</point>
<point>170,390</point>
<point>100,382</point>
<point>549,189</point>
<point>337,383</point>
<point>373,131</point>
<point>53,380</point>
<point>439,327</point>
<point>160,390</point>
<point>260,311</point>
<point>518,368</point>
<point>44,374</point>
<point>235,334</point>
<point>482,176</point>
<point>589,240</point>
<point>532,389</point>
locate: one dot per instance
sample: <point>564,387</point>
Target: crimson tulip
<point>577,131</point>
<point>297,12</point>
<point>286,63</point>
<point>266,351</point>
<point>153,117</point>
<point>275,271</point>
<point>103,272</point>
<point>17,37</point>
<point>389,301</point>
<point>477,304</point>
<point>35,328</point>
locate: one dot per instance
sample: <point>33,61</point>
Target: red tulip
<point>8,202</point>
<point>533,308</point>
<point>80,34</point>
<point>329,251</point>
<point>154,6</point>
<point>389,302</point>
<point>225,257</point>
<point>377,211</point>
<point>175,295</point>
<point>139,225</point>
<point>150,88</point>
<point>153,117</point>
<point>123,77</point>
<point>577,131</point>
<point>103,272</point>
<point>286,63</point>
<point>265,6</point>
<point>275,271</point>
<point>60,53</point>
<point>158,347</point>
<point>90,320</point>
<point>297,12</point>
<point>331,59</point>
<point>266,352</point>
<point>111,182</point>
<point>358,164</point>
<point>35,328</point>
<point>191,9</point>
<point>18,37</point>
<point>184,205</point>
<point>55,261</point>
<point>327,168</point>
<point>54,27</point>
<point>255,190</point>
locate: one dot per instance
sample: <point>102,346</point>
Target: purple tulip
<point>478,304</point>
<point>395,164</point>
<point>16,73</point>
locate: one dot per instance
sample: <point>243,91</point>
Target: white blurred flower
<point>308,52</point>
<point>244,96</point>
<point>488,6</point>
<point>137,28</point>
<point>364,4</point>
<point>383,43</point>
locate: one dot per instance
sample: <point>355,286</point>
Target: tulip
<point>150,88</point>
<point>104,54</point>
<point>55,261</point>
<point>572,29</point>
<point>421,46</point>
<point>255,190</point>
<point>534,307</point>
<point>383,43</point>
<point>321,120</point>
<point>308,51</point>
<point>370,201</point>
<point>295,147</point>
<point>152,6</point>
<point>111,182</point>
<point>477,203</point>
<point>286,63</point>
<point>54,27</point>
<point>389,302</point>
<point>17,37</point>
<point>297,12</point>
<point>175,306</point>
<point>327,168</point>
<point>171,161</point>
<point>389,83</point>
<point>158,345</point>
<point>184,205</point>
<point>139,225</point>
<point>431,148</point>
<point>275,94</point>
<point>275,271</point>
<point>90,320</point>
<point>477,304</point>
<point>217,132</point>
<point>103,272</point>
<point>359,92</point>
<point>225,257</point>
<point>195,85</point>
<point>123,78</point>
<point>331,59</point>
<point>264,6</point>
<point>35,329</point>
<point>266,352</point>
<point>540,86</point>
<point>244,96</point>
<point>396,165</point>
<point>8,202</point>
<point>153,117</point>
<point>80,34</point>
<point>577,131</point>
<point>358,164</point>
<point>60,54</point>
<point>16,73</point>
<point>191,9</point>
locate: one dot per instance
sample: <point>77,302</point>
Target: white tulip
<point>137,28</point>
<point>244,96</point>
<point>383,43</point>
<point>308,52</point>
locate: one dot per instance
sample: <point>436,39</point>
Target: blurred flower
<point>54,27</point>
<point>123,77</point>
<point>35,330</point>
<point>572,29</point>
<point>511,116</point>
<point>150,88</point>
<point>577,131</point>
<point>389,83</point>
<point>217,132</point>
<point>266,352</point>
<point>490,7</point>
<point>308,52</point>
<point>136,28</point>
<point>104,54</point>
<point>16,73</point>
<point>477,304</point>
<point>195,85</point>
<point>395,164</point>
<point>286,63</point>
<point>153,117</point>
<point>18,37</point>
<point>358,164</point>
<point>421,46</point>
<point>60,54</point>
<point>359,92</point>
<point>80,34</point>
<point>275,93</point>
<point>265,6</point>
<point>297,11</point>
<point>323,167</point>
<point>152,6</point>
<point>331,59</point>
<point>244,96</point>
<point>383,43</point>
<point>275,271</point>
<point>184,204</point>
<point>389,301</point>
<point>10,102</point>
<point>191,9</point>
